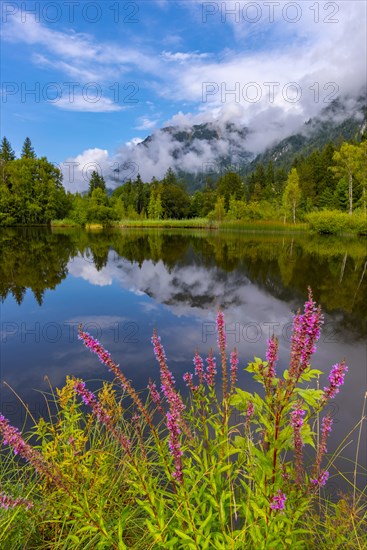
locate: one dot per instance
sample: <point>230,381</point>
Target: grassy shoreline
<point>323,223</point>
<point>194,223</point>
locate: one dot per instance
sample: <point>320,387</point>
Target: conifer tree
<point>6,152</point>
<point>96,182</point>
<point>27,150</point>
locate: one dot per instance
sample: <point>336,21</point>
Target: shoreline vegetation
<point>323,223</point>
<point>325,192</point>
<point>225,469</point>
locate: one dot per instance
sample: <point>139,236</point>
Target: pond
<point>121,284</point>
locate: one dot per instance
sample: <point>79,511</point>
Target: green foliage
<point>330,222</point>
<point>78,211</point>
<point>96,182</point>
<point>236,210</point>
<point>175,201</point>
<point>348,163</point>
<point>98,209</point>
<point>218,214</point>
<point>291,194</point>
<point>155,209</point>
<point>230,185</point>
<point>31,192</point>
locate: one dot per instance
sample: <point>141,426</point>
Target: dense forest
<point>332,178</point>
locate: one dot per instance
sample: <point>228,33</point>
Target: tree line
<point>331,178</point>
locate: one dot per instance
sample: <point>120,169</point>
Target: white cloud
<point>83,103</point>
<point>134,141</point>
<point>77,54</point>
<point>80,267</point>
<point>146,123</point>
<point>182,57</point>
<point>77,170</point>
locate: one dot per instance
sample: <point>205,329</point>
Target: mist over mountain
<point>343,119</point>
<point>209,145</point>
<point>213,147</point>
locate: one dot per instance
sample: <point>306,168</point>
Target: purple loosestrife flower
<point>326,425</point>
<point>222,346</point>
<point>211,369</point>
<point>94,346</point>
<point>90,399</point>
<point>174,445</point>
<point>297,418</point>
<point>221,331</point>
<point>167,380</point>
<point>13,438</point>
<point>105,358</point>
<point>297,423</point>
<point>278,501</point>
<point>7,502</point>
<point>250,410</point>
<point>272,356</point>
<point>155,396</point>
<point>249,414</point>
<point>199,368</point>
<point>234,368</point>
<point>336,379</point>
<point>174,417</point>
<point>306,332</point>
<point>188,376</point>
<point>98,411</point>
<point>321,480</point>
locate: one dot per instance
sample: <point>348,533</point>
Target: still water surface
<point>122,284</point>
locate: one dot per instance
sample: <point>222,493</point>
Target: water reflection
<point>192,271</point>
<point>120,284</point>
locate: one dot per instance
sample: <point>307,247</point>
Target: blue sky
<point>87,80</point>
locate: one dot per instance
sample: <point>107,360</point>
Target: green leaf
<point>310,396</point>
<point>183,536</point>
<point>171,542</point>
<point>74,539</point>
<point>206,521</point>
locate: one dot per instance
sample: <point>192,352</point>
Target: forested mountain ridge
<point>334,124</point>
<point>228,147</point>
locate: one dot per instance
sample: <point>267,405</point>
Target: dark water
<point>121,284</point>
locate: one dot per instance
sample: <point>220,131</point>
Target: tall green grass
<point>264,226</point>
<point>184,223</point>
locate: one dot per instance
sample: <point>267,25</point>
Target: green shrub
<point>359,223</point>
<point>329,222</point>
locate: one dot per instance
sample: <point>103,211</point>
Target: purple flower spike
<point>336,379</point>
<point>278,501</point>
<point>321,480</point>
<point>211,369</point>
<point>272,356</point>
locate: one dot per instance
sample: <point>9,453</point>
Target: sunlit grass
<point>184,223</point>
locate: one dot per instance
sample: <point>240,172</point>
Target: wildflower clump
<point>224,469</point>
